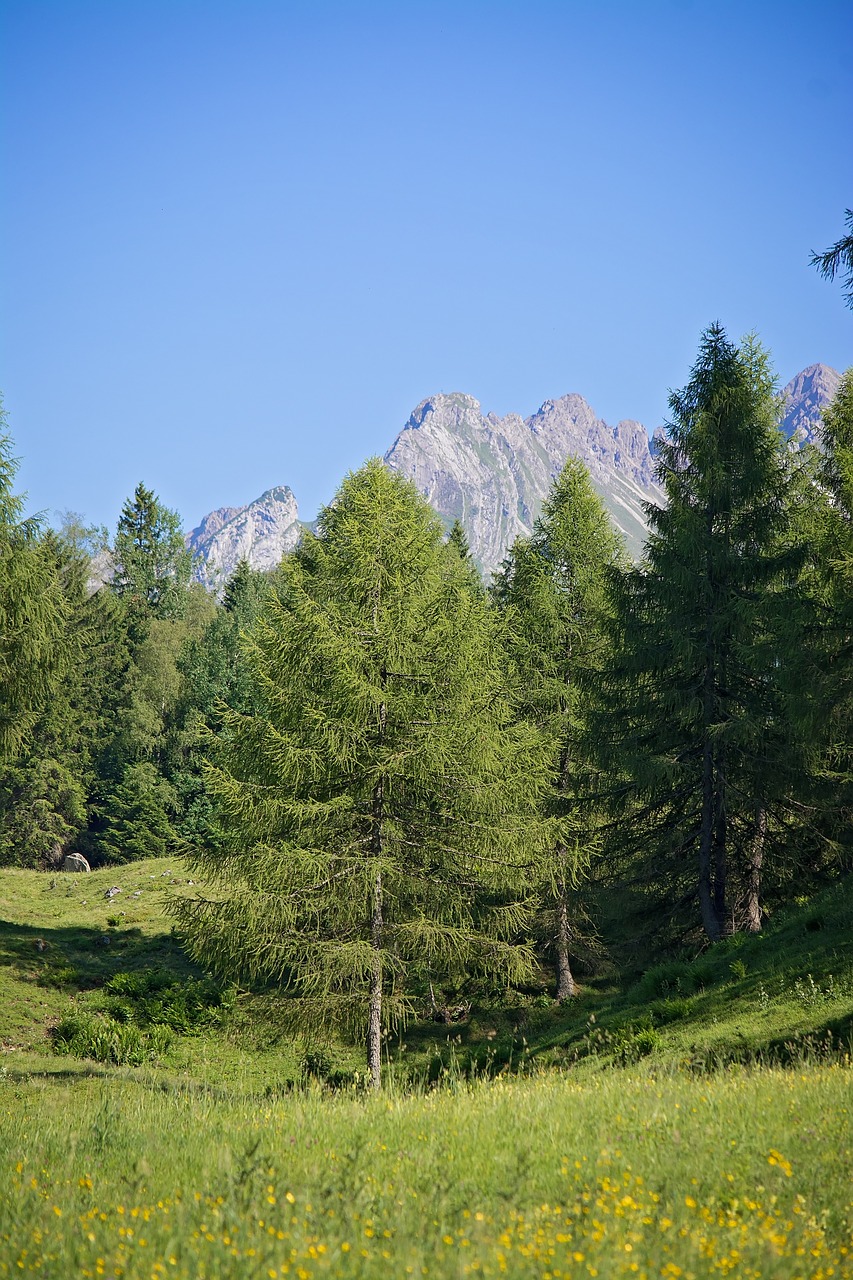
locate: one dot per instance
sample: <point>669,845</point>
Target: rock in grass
<point>75,862</point>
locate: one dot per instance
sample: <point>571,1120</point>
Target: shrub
<point>105,1040</point>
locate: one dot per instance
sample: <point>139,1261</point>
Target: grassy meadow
<point>693,1122</point>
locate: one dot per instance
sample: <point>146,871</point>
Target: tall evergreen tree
<point>152,564</point>
<point>825,672</point>
<point>381,803</point>
<point>695,715</point>
<point>553,590</point>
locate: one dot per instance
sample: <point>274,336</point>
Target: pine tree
<point>211,674</point>
<point>553,591</point>
<point>381,804</point>
<point>695,716</point>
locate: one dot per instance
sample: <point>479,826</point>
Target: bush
<point>105,1040</point>
<point>157,997</point>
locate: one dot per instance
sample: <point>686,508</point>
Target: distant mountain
<point>492,474</point>
<point>261,533</point>
<point>805,398</point>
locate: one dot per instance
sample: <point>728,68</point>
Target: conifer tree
<point>824,674</point>
<point>152,565</point>
<point>382,806</point>
<point>695,715</point>
<point>553,591</point>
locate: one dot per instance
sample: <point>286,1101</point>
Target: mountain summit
<point>493,474</point>
<point>805,398</point>
<point>261,533</point>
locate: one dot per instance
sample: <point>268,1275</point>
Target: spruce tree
<point>382,806</point>
<point>824,692</point>
<point>152,565</point>
<point>695,716</point>
<point>553,592</point>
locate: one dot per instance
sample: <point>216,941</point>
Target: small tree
<point>382,805</point>
<point>553,591</point>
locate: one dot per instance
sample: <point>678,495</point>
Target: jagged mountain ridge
<point>261,532</point>
<point>491,473</point>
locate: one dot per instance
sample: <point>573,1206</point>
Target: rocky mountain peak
<point>261,533</point>
<point>492,473</point>
<point>804,398</point>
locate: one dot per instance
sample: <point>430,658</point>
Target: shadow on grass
<point>76,958</point>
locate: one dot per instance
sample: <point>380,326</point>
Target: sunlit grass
<point>744,1174</point>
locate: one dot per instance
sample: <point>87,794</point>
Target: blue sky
<point>240,242</point>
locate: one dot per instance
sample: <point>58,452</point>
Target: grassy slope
<point>61,939</point>
<point>190,1167</point>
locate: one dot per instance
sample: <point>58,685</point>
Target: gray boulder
<point>75,862</point>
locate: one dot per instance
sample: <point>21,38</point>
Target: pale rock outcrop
<point>260,533</point>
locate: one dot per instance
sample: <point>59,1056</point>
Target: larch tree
<point>383,808</point>
<point>838,260</point>
<point>694,717</point>
<point>553,594</point>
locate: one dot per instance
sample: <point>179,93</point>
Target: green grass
<point>695,1121</point>
<point>745,1173</point>
<point>785,995</point>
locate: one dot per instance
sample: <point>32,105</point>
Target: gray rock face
<point>260,533</point>
<point>805,397</point>
<point>493,473</point>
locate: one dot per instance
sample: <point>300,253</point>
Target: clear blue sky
<point>241,241</point>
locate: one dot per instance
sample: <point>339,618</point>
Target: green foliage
<point>695,716</point>
<point>838,260</point>
<point>824,692</point>
<point>381,808</point>
<point>160,997</point>
<point>42,806</point>
<point>211,675</point>
<point>33,613</point>
<point>104,1040</point>
<point>152,565</point>
<point>138,822</point>
<point>553,594</point>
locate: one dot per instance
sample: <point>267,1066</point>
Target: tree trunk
<point>720,847</point>
<point>755,858</point>
<point>562,938</point>
<point>706,842</point>
<point>374,1017</point>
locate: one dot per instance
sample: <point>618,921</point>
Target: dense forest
<point>393,779</point>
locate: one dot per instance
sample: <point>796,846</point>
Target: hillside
<point>772,997</point>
